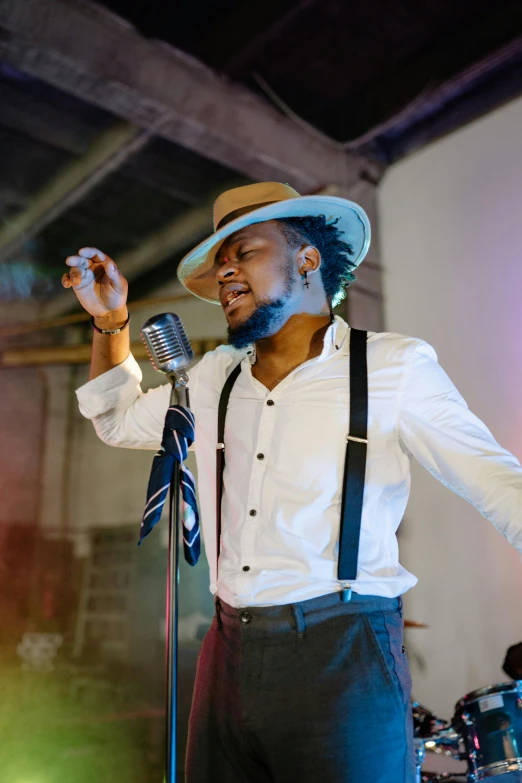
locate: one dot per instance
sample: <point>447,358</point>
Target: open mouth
<point>233,298</point>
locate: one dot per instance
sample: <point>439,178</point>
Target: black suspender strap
<point>220,453</point>
<point>355,463</point>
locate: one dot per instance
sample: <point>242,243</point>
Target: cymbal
<point>413,624</point>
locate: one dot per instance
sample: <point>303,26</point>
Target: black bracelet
<point>109,331</point>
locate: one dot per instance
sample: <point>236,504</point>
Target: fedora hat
<point>240,207</point>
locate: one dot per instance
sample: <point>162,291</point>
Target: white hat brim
<point>195,269</point>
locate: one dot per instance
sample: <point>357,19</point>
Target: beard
<point>267,318</point>
<point>264,322</point>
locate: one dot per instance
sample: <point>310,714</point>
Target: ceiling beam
<point>89,52</point>
<point>107,153</point>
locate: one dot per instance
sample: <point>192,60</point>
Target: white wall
<point>451,232</point>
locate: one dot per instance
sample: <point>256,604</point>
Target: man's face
<point>259,282</point>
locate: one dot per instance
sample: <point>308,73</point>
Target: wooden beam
<point>86,51</point>
<point>108,152</point>
<point>37,356</point>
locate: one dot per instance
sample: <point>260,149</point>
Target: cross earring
<point>305,282</point>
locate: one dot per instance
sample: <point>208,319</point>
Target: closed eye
<point>241,253</point>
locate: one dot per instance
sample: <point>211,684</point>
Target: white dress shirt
<point>281,510</point>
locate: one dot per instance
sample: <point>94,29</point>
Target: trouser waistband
<point>298,616</point>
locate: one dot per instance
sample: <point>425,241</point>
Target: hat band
<point>236,213</point>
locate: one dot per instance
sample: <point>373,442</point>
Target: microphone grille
<point>167,343</point>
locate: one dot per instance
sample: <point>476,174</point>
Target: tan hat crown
<point>234,203</point>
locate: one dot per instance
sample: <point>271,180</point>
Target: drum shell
<point>489,721</point>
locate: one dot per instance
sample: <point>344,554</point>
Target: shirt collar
<point>334,339</point>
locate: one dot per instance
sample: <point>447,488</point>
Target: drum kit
<point>485,731</point>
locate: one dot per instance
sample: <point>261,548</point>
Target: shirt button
<point>260,456</point>
<point>252,512</point>
<point>246,568</point>
<point>245,617</point>
<point>270,402</point>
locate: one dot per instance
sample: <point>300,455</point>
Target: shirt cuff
<point>119,386</point>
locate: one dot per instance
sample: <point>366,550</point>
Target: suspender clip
<point>357,440</point>
<point>346,593</point>
<point>220,446</point>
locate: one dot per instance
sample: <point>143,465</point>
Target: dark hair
<point>336,268</point>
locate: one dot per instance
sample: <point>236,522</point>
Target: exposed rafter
<point>84,50</point>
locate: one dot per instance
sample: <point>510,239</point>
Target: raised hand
<point>97,282</point>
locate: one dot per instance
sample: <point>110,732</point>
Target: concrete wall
<point>451,235</point>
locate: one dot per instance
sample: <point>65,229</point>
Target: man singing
<point>294,683</point>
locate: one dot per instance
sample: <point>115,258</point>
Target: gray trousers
<point>313,692</point>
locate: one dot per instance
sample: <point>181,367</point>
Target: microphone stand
<point>179,396</point>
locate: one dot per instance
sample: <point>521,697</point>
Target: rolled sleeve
<point>436,427</point>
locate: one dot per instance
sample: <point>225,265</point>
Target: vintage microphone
<point>171,353</point>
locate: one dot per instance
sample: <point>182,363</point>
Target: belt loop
<point>400,605</point>
<point>217,607</point>
<point>299,621</point>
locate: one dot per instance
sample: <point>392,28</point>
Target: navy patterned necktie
<point>178,435</point>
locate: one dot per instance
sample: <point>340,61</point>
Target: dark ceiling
<point>347,67</point>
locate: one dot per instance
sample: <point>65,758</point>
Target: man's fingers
<point>94,253</point>
<point>84,263</point>
<point>93,264</point>
<point>80,268</point>
<point>113,274</point>
<point>77,278</point>
<point>90,255</point>
<point>73,279</point>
